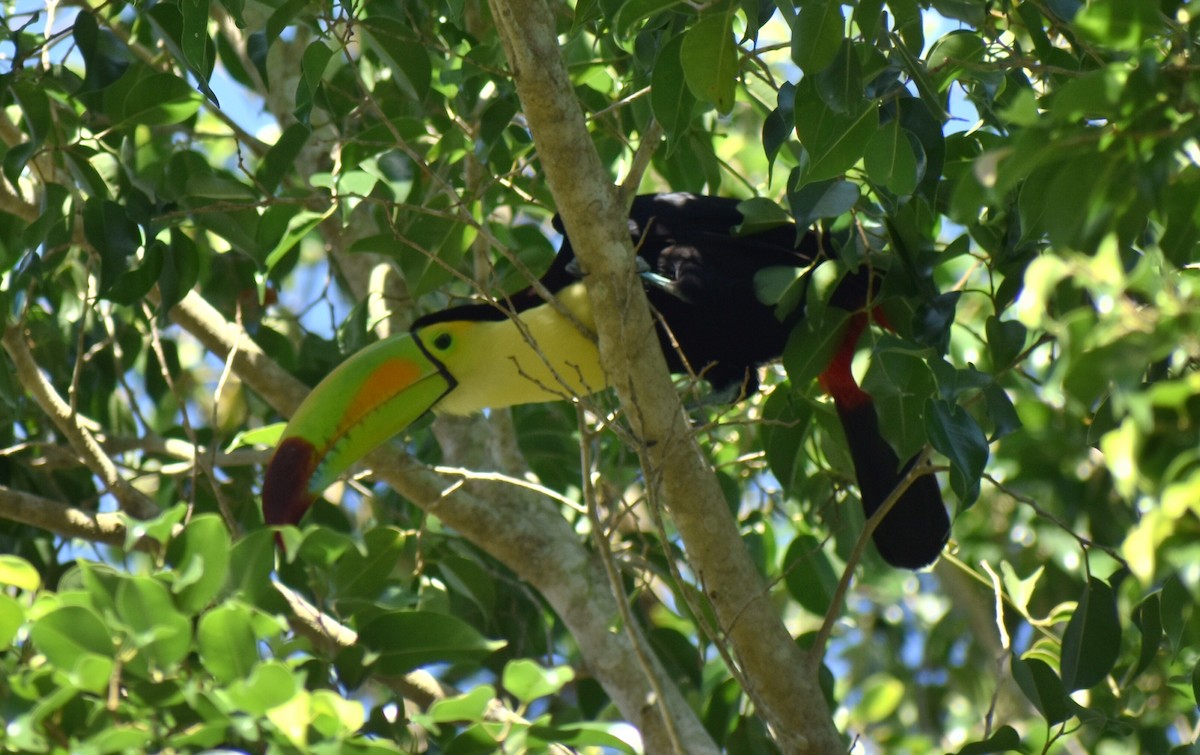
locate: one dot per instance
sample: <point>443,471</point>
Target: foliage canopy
<point>206,205</point>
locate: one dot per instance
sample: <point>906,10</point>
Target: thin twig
<point>81,439</point>
<point>918,469</point>
<point>603,547</point>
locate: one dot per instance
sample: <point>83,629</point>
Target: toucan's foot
<point>726,392</point>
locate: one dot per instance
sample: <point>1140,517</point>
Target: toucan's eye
<point>442,342</point>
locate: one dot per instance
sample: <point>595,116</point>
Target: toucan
<point>700,278</point>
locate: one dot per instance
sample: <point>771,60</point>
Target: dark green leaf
<point>527,681</point>
<point>670,97</point>
<point>822,199</point>
<point>401,49</point>
<point>583,736</point>
<point>809,576</point>
<point>405,640</point>
<point>817,35</point>
<point>226,641</point>
<point>180,271</point>
<point>710,61</point>
<point>1006,739</point>
<point>281,157</point>
<point>312,69</point>
<point>779,124</point>
<point>1000,409</point>
<point>133,285</point>
<point>1092,639</point>
<point>1148,619</point>
<point>162,635</point>
<point>200,555</point>
<point>840,85</point>
<point>111,233</point>
<point>1043,688</point>
<point>890,160</point>
<point>633,11</point>
<point>955,434</point>
<point>834,141</point>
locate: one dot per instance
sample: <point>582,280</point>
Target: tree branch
<point>67,521</point>
<point>65,419</point>
<point>521,529</point>
<point>785,688</point>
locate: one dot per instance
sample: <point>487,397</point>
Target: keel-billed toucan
<point>700,280</point>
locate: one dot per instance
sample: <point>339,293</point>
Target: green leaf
<point>709,57</point>
<point>366,576</point>
<point>808,574</point>
<point>817,34</point>
<point>760,214</point>
<point>633,11</point>
<point>283,17</point>
<point>398,46</point>
<point>785,426</point>
<point>955,434</point>
<point>954,56</point>
<point>265,437</point>
<point>1006,341</point>
<point>1148,619</point>
<point>281,157</point>
<point>158,99</point>
<point>194,37</point>
<point>227,643</point>
<point>120,738</point>
<point>834,141</point>
<point>1196,684</point>
<point>1001,411</point>
<point>822,199</point>
<point>405,640</point>
<point>312,69</point>
<point>909,23</point>
<point>162,634</point>
<point>890,160</point>
<point>69,634</point>
<point>778,125</point>
<point>299,225</point>
<point>1043,688</point>
<point>200,556</point>
<point>133,285</point>
<point>1006,739</point>
<point>813,343</point>
<point>12,616</point>
<point>1121,24</point>
<point>470,706</point>
<point>527,680</point>
<point>19,573</point>
<point>671,99</point>
<point>1092,640</point>
<point>840,85</point>
<point>270,684</point>
<point>114,235</point>
<point>881,697</point>
<point>584,736</point>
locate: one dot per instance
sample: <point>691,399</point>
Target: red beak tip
<point>286,496</point>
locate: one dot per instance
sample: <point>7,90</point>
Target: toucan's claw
<point>660,281</point>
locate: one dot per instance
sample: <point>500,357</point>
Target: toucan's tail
<point>915,530</point>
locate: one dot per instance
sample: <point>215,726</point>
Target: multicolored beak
<point>370,397</point>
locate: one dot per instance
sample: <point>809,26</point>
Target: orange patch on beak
<point>380,386</point>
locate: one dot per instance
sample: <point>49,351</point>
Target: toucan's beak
<point>370,397</point>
